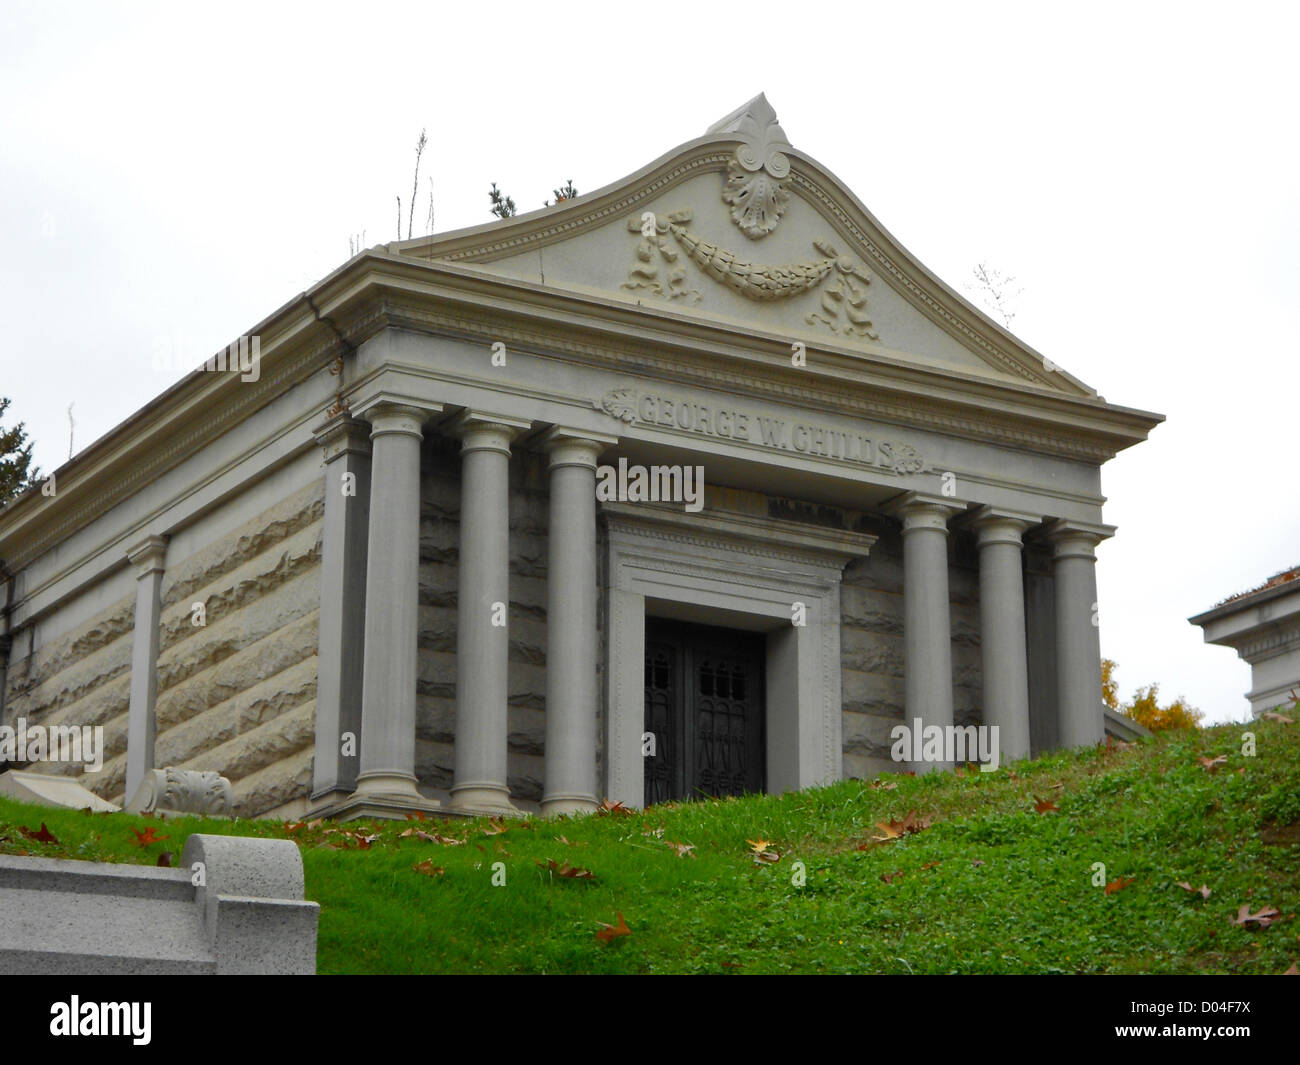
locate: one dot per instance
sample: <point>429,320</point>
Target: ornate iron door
<point>704,706</point>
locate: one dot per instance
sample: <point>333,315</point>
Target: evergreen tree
<point>16,469</point>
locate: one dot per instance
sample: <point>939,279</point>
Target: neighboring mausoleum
<point>1263,627</point>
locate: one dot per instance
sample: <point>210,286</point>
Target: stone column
<point>392,599</point>
<point>927,619</point>
<point>340,662</point>
<point>1078,644</point>
<point>141,727</point>
<point>483,603</point>
<point>1005,662</point>
<point>571,622</point>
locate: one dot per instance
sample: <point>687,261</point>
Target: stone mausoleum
<point>377,574</point>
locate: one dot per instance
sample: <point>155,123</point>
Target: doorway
<point>704,708</point>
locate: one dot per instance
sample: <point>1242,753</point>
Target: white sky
<point>170,174</point>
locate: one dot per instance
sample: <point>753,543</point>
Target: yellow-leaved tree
<point>1144,707</point>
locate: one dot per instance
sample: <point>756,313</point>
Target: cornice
<point>882,400</point>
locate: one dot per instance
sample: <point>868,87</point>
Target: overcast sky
<point>172,173</point>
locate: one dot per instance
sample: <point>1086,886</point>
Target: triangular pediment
<point>741,228</point>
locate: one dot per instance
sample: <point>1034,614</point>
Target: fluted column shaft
<point>571,638</point>
<point>392,603</point>
<point>482,629</point>
<point>927,626</point>
<point>1005,663</point>
<point>1078,643</point>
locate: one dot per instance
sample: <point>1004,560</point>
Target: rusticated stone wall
<point>79,677</point>
<point>235,694</point>
<point>238,694</point>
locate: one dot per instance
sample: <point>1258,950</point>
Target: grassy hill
<point>992,885</point>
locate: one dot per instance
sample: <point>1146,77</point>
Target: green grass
<point>990,886</point>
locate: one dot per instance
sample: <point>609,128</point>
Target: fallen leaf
<point>606,808</point>
<point>881,785</point>
<point>416,815</point>
<point>1203,891</point>
<point>495,828</point>
<point>613,931</point>
<point>165,860</point>
<point>363,841</point>
<point>1045,806</point>
<point>428,837</point>
<point>766,856</point>
<point>143,839</point>
<point>897,829</point>
<point>930,865</point>
<point>1263,919</point>
<point>317,823</point>
<point>44,835</point>
<point>889,878</point>
<point>569,872</point>
<point>1272,716</point>
<point>290,827</point>
<point>683,850</point>
<point>977,863</point>
<point>758,845</point>
<point>1119,884</point>
<point>1211,765</point>
<point>428,868</point>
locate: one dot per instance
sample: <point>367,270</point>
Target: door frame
<point>734,571</point>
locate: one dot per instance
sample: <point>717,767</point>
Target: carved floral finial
<point>753,188</point>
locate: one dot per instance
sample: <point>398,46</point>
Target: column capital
<point>999,525</point>
<point>388,412</point>
<point>574,447</point>
<point>920,510</point>
<point>147,555</point>
<point>1077,539</point>
<point>343,434</point>
<point>481,430</point>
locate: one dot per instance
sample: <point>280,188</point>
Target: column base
<point>392,784</point>
<point>484,800</point>
<point>385,807</point>
<point>565,805</point>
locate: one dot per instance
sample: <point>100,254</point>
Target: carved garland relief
<point>660,272</point>
<point>757,198</point>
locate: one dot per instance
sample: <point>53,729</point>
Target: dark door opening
<point>704,707</point>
